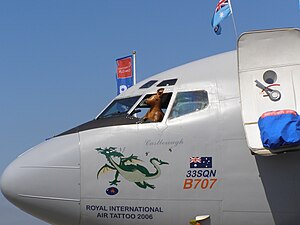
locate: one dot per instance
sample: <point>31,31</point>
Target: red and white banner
<point>125,70</point>
<point>124,67</point>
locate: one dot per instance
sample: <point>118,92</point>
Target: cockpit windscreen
<point>118,107</point>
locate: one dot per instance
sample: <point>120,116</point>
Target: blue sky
<point>57,58</point>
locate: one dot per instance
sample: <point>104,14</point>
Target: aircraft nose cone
<point>7,183</point>
<point>45,181</point>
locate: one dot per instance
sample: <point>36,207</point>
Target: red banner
<point>124,67</point>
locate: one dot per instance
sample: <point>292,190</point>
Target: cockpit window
<point>118,107</point>
<point>148,84</point>
<point>188,102</point>
<point>169,82</point>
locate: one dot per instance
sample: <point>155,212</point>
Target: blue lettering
<point>201,173</point>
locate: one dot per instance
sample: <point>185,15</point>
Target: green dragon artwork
<point>129,168</point>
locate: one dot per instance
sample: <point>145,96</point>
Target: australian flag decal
<point>200,162</point>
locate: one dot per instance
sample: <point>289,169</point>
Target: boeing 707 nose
<point>45,181</point>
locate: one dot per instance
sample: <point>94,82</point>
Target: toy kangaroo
<point>154,114</point>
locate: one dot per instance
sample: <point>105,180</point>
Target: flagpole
<point>134,71</point>
<point>233,21</point>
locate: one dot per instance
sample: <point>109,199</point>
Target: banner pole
<point>233,21</point>
<point>134,69</point>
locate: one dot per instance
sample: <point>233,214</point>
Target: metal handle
<point>274,95</point>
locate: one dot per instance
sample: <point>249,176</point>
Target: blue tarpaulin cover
<point>279,129</point>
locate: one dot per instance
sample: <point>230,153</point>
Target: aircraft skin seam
<point>49,198</point>
<point>245,211</point>
<point>175,200</point>
<point>51,167</point>
<point>269,66</point>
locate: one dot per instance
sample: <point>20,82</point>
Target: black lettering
<point>213,173</point>
<point>102,215</point>
<point>199,174</point>
<point>206,173</point>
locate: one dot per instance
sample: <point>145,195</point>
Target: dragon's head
<point>109,152</point>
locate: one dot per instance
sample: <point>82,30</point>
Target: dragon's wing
<point>105,169</point>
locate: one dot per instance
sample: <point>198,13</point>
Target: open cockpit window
<point>188,102</point>
<point>152,107</point>
<point>119,107</point>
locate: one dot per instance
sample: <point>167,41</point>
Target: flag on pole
<point>124,73</point>
<point>222,11</point>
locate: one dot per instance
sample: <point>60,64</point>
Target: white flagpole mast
<point>233,21</point>
<point>134,71</point>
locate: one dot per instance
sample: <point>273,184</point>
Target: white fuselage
<point>57,180</point>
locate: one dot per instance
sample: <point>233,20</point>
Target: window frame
<point>189,113</point>
<point>143,97</point>
<point>107,108</point>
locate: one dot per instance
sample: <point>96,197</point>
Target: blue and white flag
<point>222,11</point>
<point>124,73</point>
<point>200,162</point>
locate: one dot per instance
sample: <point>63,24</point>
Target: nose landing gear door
<point>269,80</point>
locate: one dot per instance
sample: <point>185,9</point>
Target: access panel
<point>268,69</point>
